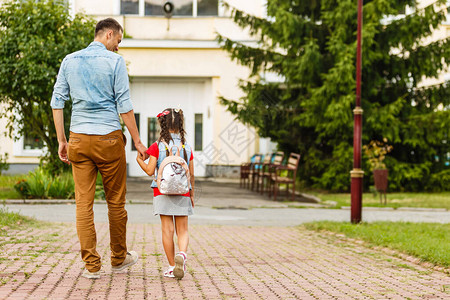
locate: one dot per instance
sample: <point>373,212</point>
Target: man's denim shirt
<point>97,81</point>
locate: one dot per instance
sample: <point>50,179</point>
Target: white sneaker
<point>169,272</point>
<point>131,258</point>
<point>180,265</point>
<point>91,275</point>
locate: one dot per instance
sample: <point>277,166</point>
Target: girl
<point>171,208</point>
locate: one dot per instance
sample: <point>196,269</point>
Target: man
<point>97,81</point>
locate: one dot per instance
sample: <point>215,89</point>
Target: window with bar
<point>198,132</point>
<point>129,7</point>
<point>152,131</point>
<point>188,8</point>
<point>137,117</point>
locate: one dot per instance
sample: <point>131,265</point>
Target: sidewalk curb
<point>284,205</point>
<point>62,201</point>
<point>374,208</point>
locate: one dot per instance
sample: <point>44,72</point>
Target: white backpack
<point>173,174</point>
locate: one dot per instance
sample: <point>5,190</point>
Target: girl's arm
<point>191,172</point>
<point>148,168</point>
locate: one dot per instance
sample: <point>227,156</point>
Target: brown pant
<point>88,155</point>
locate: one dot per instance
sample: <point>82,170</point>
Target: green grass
<point>12,219</point>
<point>428,241</point>
<point>7,183</point>
<point>395,200</point>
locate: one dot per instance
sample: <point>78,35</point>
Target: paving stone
<point>231,262</point>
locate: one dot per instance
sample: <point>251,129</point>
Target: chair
<point>289,178</point>
<point>245,171</point>
<point>254,169</point>
<point>268,169</point>
<point>260,168</point>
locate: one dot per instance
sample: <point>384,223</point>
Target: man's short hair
<point>108,23</point>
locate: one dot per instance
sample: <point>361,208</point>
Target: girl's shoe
<point>169,272</point>
<point>180,265</point>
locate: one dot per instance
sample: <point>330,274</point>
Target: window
<point>183,8</point>
<point>137,117</point>
<point>152,130</point>
<point>448,12</point>
<point>129,7</point>
<point>154,8</point>
<point>207,7</point>
<point>198,132</point>
<point>32,143</point>
<point>190,8</point>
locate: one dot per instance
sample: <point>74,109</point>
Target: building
<point>177,63</point>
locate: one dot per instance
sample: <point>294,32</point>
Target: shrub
<point>39,184</point>
<point>22,188</point>
<point>440,181</point>
<point>3,164</point>
<point>62,186</point>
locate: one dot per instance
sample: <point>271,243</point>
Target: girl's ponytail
<point>165,133</point>
<point>182,132</point>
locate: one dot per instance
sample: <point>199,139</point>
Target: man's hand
<point>62,152</point>
<point>130,122</point>
<point>142,150</point>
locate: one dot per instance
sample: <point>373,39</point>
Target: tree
<point>35,36</point>
<point>311,45</point>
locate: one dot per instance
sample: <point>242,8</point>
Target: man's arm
<point>60,94</point>
<point>58,118</point>
<point>130,122</point>
<point>124,106</point>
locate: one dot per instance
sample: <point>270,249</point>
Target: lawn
<point>12,219</point>
<point>395,200</point>
<point>428,241</point>
<point>7,183</point>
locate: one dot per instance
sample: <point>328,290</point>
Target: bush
<point>42,185</point>
<point>22,188</point>
<point>38,184</point>
<point>3,164</point>
<point>440,181</point>
<point>62,186</point>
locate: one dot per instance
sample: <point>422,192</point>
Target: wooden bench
<point>291,169</point>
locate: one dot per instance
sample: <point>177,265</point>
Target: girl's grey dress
<point>172,205</point>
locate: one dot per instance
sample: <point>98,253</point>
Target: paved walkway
<point>143,213</point>
<point>225,262</point>
<point>222,202</point>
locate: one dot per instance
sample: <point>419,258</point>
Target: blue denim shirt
<point>162,154</point>
<point>97,81</point>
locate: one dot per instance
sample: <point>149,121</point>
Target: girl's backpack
<point>173,174</point>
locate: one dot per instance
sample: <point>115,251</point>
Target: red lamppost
<point>357,173</point>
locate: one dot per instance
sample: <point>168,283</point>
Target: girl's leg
<point>167,237</point>
<point>181,223</point>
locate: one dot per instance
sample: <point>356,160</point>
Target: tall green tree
<point>35,36</point>
<point>311,45</point>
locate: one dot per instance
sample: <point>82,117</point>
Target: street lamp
<point>357,173</point>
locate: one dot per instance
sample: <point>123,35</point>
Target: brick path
<point>225,262</point>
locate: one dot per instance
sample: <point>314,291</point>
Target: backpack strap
<point>170,149</point>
